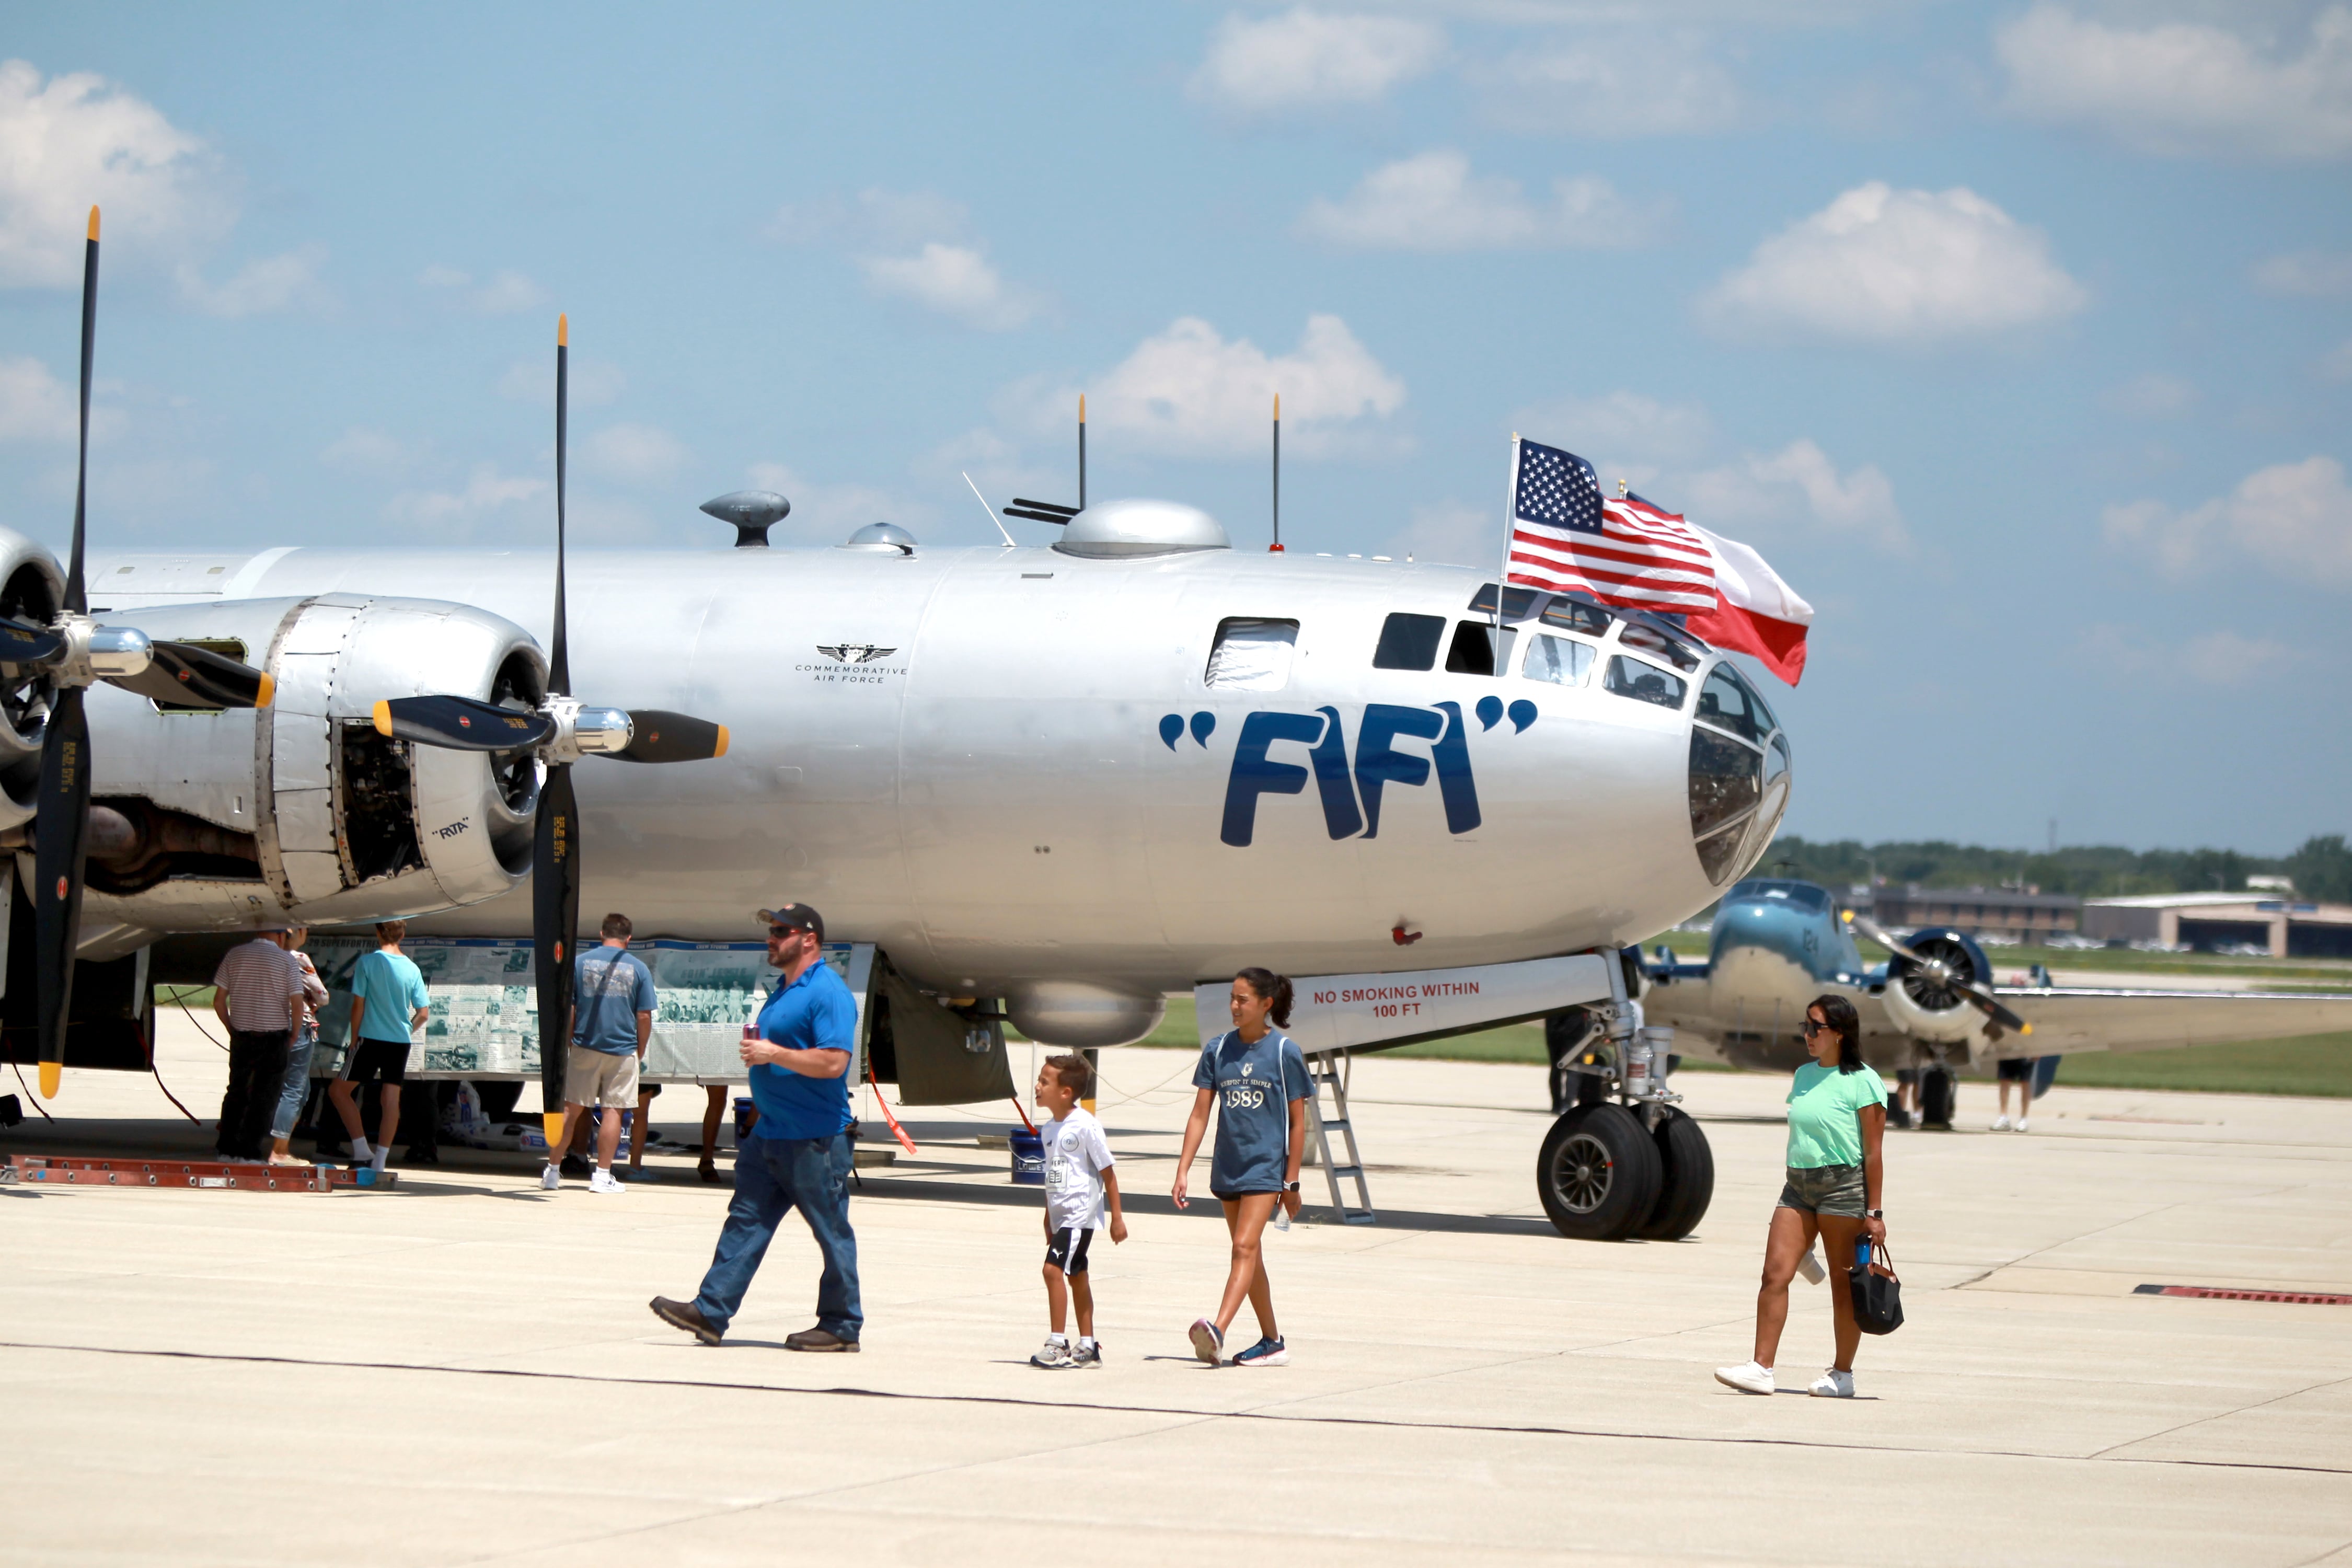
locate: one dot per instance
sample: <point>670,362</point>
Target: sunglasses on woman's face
<point>1813,1026</point>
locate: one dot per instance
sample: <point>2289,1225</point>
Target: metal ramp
<point>1327,1071</point>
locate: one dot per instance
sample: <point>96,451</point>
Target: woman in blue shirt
<point>1837,1120</point>
<point>1256,1078</point>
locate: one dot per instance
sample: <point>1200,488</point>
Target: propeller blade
<point>1991,1006</point>
<point>658,736</point>
<point>460,723</point>
<point>559,654</point>
<point>1878,935</point>
<point>60,832</point>
<point>186,676</point>
<point>77,600</point>
<point>554,922</point>
<point>21,642</point>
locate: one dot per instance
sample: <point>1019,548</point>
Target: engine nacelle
<point>1926,1010</point>
<point>31,589</point>
<point>301,810</point>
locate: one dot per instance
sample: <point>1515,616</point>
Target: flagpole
<point>1277,549</point>
<point>1510,522</point>
<point>1082,451</point>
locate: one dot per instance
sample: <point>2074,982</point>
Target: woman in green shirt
<point>1837,1120</point>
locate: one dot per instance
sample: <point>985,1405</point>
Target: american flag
<point>1567,537</point>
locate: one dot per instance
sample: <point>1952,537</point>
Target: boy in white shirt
<point>1079,1180</point>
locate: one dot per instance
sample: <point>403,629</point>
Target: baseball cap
<point>799,915</point>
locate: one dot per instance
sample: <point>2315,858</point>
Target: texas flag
<point>1755,612</point>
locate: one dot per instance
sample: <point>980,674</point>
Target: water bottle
<point>1861,1252</point>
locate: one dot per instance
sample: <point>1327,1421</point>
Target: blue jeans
<point>297,1088</point>
<point>773,1175</point>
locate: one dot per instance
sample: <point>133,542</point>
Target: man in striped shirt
<point>256,993</point>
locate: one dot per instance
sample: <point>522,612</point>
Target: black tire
<point>498,1097</point>
<point>1936,1098</point>
<point>1598,1174</point>
<point>1687,1180</point>
<point>1591,1088</point>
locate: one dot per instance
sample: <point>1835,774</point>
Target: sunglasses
<point>1814,1026</point>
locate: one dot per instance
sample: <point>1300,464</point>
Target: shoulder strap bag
<point>1876,1294</point>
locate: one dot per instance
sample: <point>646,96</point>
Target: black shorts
<point>385,1061</point>
<point>1067,1250</point>
<point>2017,1069</point>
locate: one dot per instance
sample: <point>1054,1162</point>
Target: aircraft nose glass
<point>1740,766</point>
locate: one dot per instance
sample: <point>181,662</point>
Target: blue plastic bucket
<point>1028,1157</point>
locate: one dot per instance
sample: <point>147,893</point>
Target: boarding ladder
<point>1327,1071</point>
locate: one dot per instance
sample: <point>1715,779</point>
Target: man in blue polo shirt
<point>798,1155</point>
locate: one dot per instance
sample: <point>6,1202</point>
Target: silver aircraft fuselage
<point>1005,766</point>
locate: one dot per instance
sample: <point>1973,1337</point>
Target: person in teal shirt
<point>389,1005</point>
<point>1837,1122</point>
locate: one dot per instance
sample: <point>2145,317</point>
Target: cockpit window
<point>1651,640</point>
<point>1727,702</point>
<point>1644,682</point>
<point>1576,616</point>
<point>1251,655</point>
<point>1408,642</point>
<point>1726,780</point>
<point>1561,660</point>
<point>1759,889</point>
<point>1519,603</point>
<point>1473,651</point>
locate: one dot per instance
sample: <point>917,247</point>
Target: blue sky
<point>2018,338</point>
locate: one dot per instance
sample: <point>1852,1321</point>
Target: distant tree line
<point>2321,868</point>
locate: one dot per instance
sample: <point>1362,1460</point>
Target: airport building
<point>2282,927</point>
<point>2010,914</point>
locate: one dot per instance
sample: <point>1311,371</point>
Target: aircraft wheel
<point>1936,1098</point>
<point>1598,1174</point>
<point>1687,1183</point>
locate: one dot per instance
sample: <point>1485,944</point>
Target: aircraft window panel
<point>1727,779</point>
<point>1563,661</point>
<point>1472,649</point>
<point>1519,603</point>
<point>1652,641</point>
<point>1408,642</point>
<point>1776,759</point>
<point>1644,682</point>
<point>1718,857</point>
<point>1577,615</point>
<point>1726,702</point>
<point>1251,655</point>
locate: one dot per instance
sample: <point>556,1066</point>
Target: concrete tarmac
<point>463,1370</point>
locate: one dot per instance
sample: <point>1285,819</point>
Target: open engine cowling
<point>220,820</point>
<point>1926,1010</point>
<point>31,588</point>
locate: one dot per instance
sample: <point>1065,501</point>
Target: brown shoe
<point>685,1315</point>
<point>818,1340</point>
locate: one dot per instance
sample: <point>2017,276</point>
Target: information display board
<point>484,1007</point>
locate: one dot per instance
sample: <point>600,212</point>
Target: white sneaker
<point>551,1178</point>
<point>1833,1385</point>
<point>604,1181</point>
<point>2021,1125</point>
<point>1054,1356</point>
<point>2001,1124</point>
<point>1752,1378</point>
<point>1810,1266</point>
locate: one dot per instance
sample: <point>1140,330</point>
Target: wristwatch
<point>1874,1214</point>
<point>1290,1186</point>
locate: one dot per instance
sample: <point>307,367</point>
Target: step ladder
<point>1327,1071</point>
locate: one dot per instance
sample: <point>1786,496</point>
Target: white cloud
<point>504,293</point>
<point>486,494</point>
<point>828,513</point>
<point>1882,265</point>
<point>2153,396</point>
<point>368,450</point>
<point>1433,202</point>
<point>594,382</point>
<point>275,285</point>
<point>2294,517</point>
<point>874,220</point>
<point>956,280</point>
<point>2312,274</point>
<point>1305,58</point>
<point>1190,391</point>
<point>1630,435</point>
<point>34,405</point>
<point>1452,533</point>
<point>76,140</point>
<point>1612,86</point>
<point>2184,87</point>
<point>2336,364</point>
<point>633,453</point>
<point>2220,658</point>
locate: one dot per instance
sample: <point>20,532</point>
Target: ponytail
<point>1270,987</point>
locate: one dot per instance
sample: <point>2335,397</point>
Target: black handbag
<point>1876,1294</point>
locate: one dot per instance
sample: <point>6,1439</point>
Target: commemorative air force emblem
<point>854,652</point>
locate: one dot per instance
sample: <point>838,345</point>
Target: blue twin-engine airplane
<point>1934,1005</point>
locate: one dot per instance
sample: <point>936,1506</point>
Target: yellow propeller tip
<point>722,743</point>
<point>2025,1028</point>
<point>51,1071</point>
<point>93,223</point>
<point>551,1123</point>
<point>268,690</point>
<point>1082,407</point>
<point>562,331</point>
<point>383,719</point>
